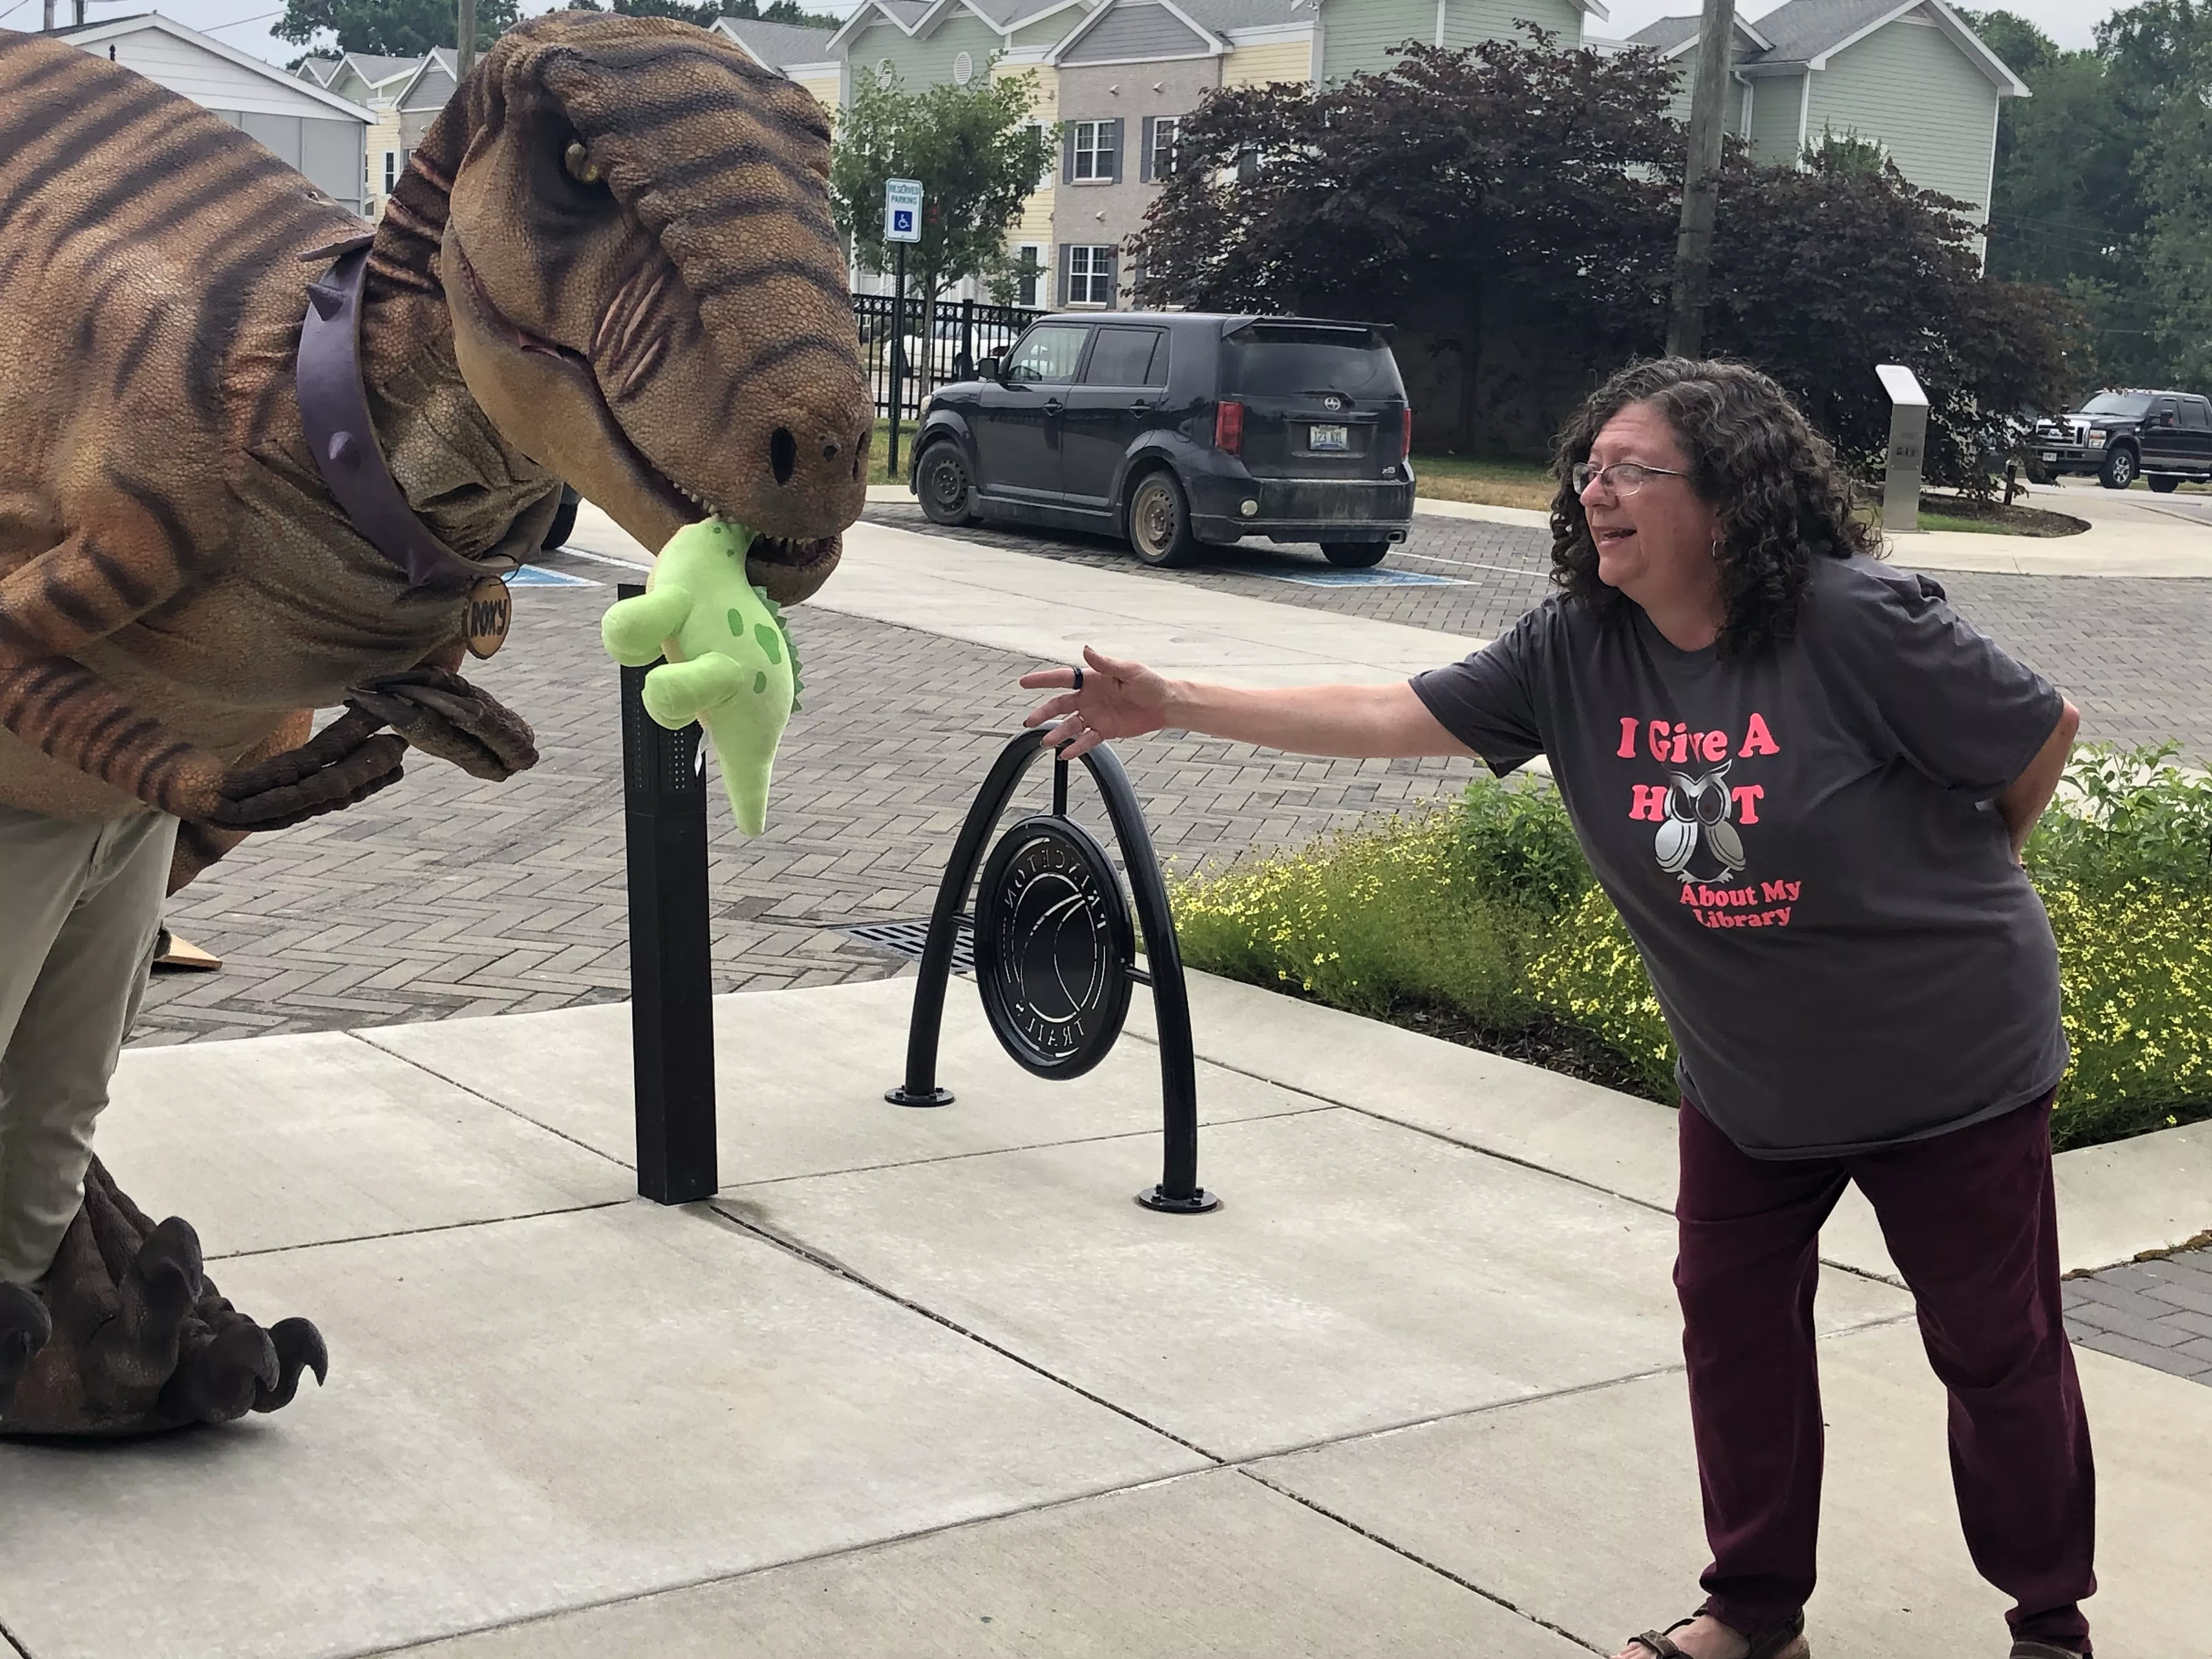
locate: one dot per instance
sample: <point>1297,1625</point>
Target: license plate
<point>2049,455</point>
<point>1330,437</point>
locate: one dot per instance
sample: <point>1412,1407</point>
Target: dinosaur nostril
<point>782,453</point>
<point>829,449</point>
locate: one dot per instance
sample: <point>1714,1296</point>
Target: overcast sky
<point>245,23</point>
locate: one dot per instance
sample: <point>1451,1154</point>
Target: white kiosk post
<point>1908,441</point>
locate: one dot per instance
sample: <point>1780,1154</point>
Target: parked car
<point>2162,437</point>
<point>1178,429</point>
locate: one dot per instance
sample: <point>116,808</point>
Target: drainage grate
<point>908,939</point>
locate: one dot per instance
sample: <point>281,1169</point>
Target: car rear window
<point>2115,402</point>
<point>1263,360</point>
<point>1128,356</point>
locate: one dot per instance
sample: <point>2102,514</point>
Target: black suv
<point>1175,428</point>
<point>2164,436</point>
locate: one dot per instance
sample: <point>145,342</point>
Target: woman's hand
<point>1105,698</point>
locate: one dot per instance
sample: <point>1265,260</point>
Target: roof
<point>90,34</point>
<point>376,70</point>
<point>777,45</point>
<point>1224,16</point>
<point>318,69</point>
<point>440,61</point>
<point>1801,34</point>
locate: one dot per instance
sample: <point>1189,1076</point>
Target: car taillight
<point>1229,428</point>
<point>1406,447</point>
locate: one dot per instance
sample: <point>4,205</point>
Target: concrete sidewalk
<point>929,1384</point>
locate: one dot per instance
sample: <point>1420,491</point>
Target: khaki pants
<point>80,905</point>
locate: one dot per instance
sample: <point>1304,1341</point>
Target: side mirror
<point>987,369</point>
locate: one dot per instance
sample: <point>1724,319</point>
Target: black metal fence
<point>947,347</point>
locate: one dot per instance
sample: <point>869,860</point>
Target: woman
<point>1806,783</point>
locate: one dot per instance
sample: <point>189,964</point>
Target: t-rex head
<point>648,295</point>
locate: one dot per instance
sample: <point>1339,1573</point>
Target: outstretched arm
<point>1120,699</point>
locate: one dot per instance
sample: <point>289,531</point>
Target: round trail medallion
<point>1054,947</point>
<point>485,616</point>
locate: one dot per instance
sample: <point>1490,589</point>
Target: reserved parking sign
<point>902,209</point>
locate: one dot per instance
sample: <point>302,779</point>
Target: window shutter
<point>1067,295</point>
<point>1145,152</point>
<point>1113,274</point>
<point>1113,136</point>
<point>1067,152</point>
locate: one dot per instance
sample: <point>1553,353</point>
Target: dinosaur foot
<point>140,1340</point>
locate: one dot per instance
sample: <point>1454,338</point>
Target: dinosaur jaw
<point>518,376</point>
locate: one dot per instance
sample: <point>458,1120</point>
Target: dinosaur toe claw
<point>299,1347</point>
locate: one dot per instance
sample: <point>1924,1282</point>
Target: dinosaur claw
<point>220,1381</point>
<point>442,715</point>
<point>299,1347</point>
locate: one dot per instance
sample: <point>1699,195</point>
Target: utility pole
<point>1701,183</point>
<point>467,53</point>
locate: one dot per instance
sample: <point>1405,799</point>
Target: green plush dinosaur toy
<point>730,666</point>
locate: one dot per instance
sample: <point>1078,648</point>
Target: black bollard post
<point>671,1010</point>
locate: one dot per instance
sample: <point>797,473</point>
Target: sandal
<point>1783,1642</point>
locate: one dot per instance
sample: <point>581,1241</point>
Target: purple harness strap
<point>334,411</point>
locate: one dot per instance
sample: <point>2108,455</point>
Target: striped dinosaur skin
<point>612,260</point>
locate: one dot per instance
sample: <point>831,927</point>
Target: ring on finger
<point>1078,686</point>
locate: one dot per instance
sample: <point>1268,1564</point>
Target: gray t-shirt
<point>1803,846</point>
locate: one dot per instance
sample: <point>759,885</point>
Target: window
<point>1089,275</point>
<point>1093,151</point>
<point>1128,356</point>
<point>1048,356</point>
<point>963,70</point>
<point>2196,415</point>
<point>1028,268</point>
<point>1160,148</point>
<point>390,170</point>
<point>2164,412</point>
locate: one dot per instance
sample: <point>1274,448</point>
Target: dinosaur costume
<point>609,261</point>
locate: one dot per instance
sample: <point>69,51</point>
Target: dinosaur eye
<point>578,160</point>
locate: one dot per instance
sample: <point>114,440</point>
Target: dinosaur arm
<point>678,693</point>
<point>63,709</point>
<point>634,630</point>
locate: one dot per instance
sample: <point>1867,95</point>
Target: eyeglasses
<point>1621,478</point>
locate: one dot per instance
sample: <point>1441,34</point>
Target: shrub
<point>1370,921</point>
<point>1513,842</point>
<point>2126,817</point>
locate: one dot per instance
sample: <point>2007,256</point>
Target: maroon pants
<point>1971,1223</point>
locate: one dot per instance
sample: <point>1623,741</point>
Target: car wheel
<point>563,525</point>
<point>1159,522</point>
<point>1355,556</point>
<point>2165,483</point>
<point>941,476</point>
<point>2119,468</point>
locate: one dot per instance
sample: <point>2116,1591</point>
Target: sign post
<point>902,225</point>
<point>1908,443</point>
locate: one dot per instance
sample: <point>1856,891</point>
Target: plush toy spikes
<point>730,664</point>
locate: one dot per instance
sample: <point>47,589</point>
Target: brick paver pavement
<point>2158,1313</point>
<point>444,896</point>
<point>2130,652</point>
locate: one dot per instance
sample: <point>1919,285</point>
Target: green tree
<point>390,28</point>
<point>972,148</point>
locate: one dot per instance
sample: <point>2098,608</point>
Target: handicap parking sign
<point>902,209</point>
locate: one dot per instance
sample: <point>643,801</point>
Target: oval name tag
<point>485,615</point>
